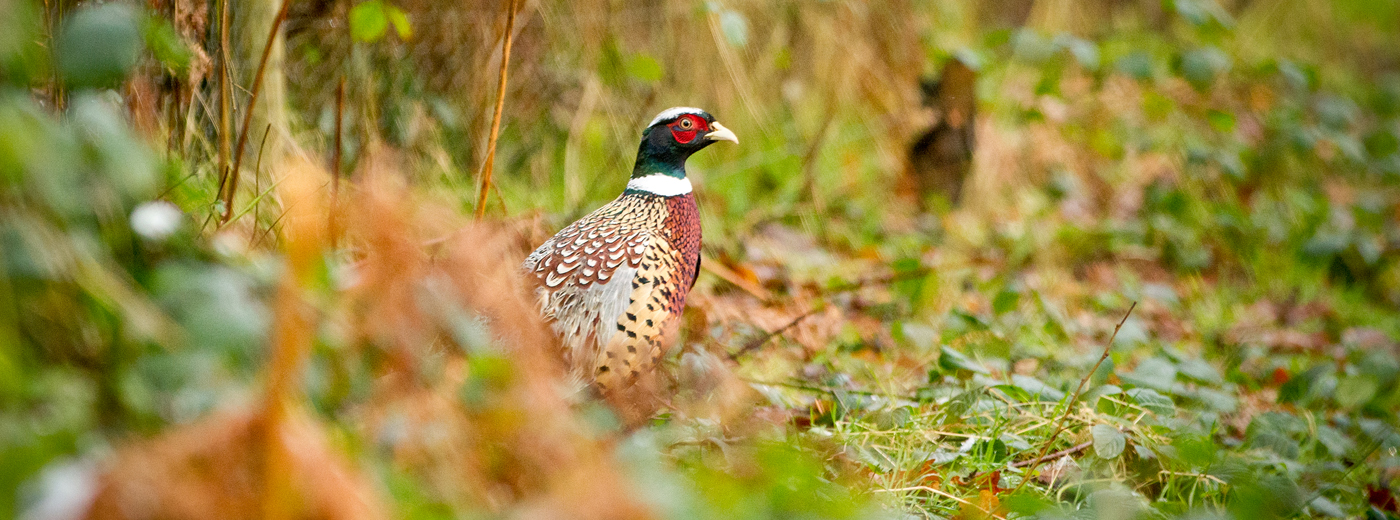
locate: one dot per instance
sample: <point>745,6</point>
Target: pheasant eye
<point>687,124</point>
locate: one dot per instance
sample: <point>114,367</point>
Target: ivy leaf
<point>1108,441</point>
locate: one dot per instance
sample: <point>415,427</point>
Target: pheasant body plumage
<point>614,283</point>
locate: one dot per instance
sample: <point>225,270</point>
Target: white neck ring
<point>660,184</point>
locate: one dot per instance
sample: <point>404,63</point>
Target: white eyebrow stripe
<point>674,112</point>
<point>660,184</point>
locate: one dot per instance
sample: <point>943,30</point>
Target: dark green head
<point>675,134</point>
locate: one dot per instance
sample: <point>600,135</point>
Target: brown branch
<point>225,98</point>
<point>718,268</point>
<point>809,163</point>
<point>911,274</point>
<point>759,341</point>
<point>232,186</point>
<point>1067,451</point>
<point>335,162</point>
<point>506,40</point>
<point>1069,405</point>
<point>828,389</point>
<point>853,286</point>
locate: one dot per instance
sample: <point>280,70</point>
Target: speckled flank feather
<point>614,283</point>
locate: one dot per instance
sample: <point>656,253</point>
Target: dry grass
<point>445,315</point>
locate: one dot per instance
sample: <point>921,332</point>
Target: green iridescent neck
<point>660,155</point>
<point>651,166</point>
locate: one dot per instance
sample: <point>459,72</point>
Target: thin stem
<point>1069,405</point>
<point>232,186</point>
<point>759,341</point>
<point>225,98</point>
<point>257,184</point>
<point>335,161</point>
<point>1067,451</point>
<point>506,41</point>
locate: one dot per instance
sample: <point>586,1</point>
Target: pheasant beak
<point>719,133</point>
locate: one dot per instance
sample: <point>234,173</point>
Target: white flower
<point>156,220</point>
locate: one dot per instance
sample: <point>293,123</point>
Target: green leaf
<point>1108,441</point>
<point>644,67</point>
<point>1216,400</point>
<point>1027,504</point>
<point>1085,52</point>
<point>1136,65</point>
<point>1152,401</point>
<point>1037,388</point>
<point>1196,450</point>
<point>735,27</point>
<point>1327,507</point>
<point>1200,67</point>
<point>368,21</point>
<point>1030,46</point>
<point>1274,431</point>
<point>399,19</point>
<point>1381,143</point>
<point>1354,391</point>
<point>99,45</point>
<point>166,45</point>
<point>1006,301</point>
<point>1156,373</point>
<point>1223,122</point>
<point>1334,441</point>
<point>1199,370</point>
<point>952,361</point>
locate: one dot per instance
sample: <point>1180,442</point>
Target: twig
<point>943,494</point>
<point>1069,405</point>
<point>759,341</point>
<point>253,204</point>
<point>718,268</point>
<point>877,280</point>
<point>809,163</point>
<point>335,162</point>
<point>856,285</point>
<point>225,97</point>
<point>828,389</point>
<point>1053,456</point>
<point>506,40</point>
<point>232,186</point>
<point>257,181</point>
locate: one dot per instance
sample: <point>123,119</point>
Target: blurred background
<point>239,276</point>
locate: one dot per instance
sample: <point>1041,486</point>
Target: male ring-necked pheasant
<point>613,283</point>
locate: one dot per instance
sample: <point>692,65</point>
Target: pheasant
<point>613,283</point>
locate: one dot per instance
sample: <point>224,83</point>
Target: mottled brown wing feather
<point>648,325</point>
<point>585,273</point>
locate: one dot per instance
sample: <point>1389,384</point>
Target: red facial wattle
<point>687,127</point>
